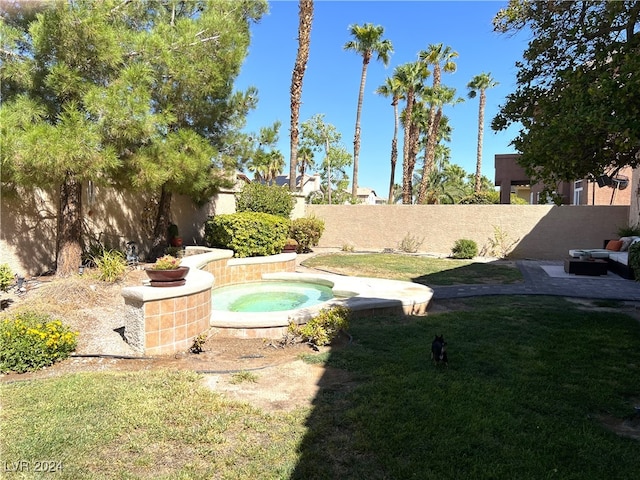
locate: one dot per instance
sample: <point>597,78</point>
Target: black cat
<point>439,350</point>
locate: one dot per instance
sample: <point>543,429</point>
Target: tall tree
<point>578,88</point>
<point>266,162</point>
<point>442,60</point>
<point>411,77</point>
<point>50,63</point>
<point>305,18</point>
<point>367,41</point>
<point>436,98</point>
<point>480,83</point>
<point>392,88</point>
<point>305,161</point>
<point>132,94</point>
<point>319,136</point>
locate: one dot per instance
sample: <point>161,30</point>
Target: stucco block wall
<point>28,224</point>
<point>536,231</point>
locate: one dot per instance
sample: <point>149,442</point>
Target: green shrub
<point>260,198</point>
<point>111,265</point>
<point>6,277</point>
<point>307,232</point>
<point>248,234</point>
<point>481,198</point>
<point>32,340</point>
<point>629,230</point>
<point>634,260</point>
<point>464,249</point>
<point>324,327</point>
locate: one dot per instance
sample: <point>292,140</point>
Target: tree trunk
<point>326,149</point>
<point>161,227</point>
<point>394,151</point>
<point>414,137</point>
<point>356,137</point>
<point>69,227</point>
<point>304,40</point>
<point>430,154</point>
<point>407,168</point>
<point>478,183</point>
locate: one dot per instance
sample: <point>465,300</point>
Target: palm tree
<point>305,160</point>
<point>274,165</point>
<point>410,76</point>
<point>393,89</point>
<point>305,17</point>
<point>367,40</point>
<point>442,60</point>
<point>480,83</point>
<point>439,98</point>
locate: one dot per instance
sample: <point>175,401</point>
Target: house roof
<point>365,192</point>
<point>281,180</point>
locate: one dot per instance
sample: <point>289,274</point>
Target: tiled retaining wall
<point>240,270</point>
<point>164,321</point>
<point>171,324</point>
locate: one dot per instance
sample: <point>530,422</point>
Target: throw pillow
<point>614,245</point>
<point>626,242</point>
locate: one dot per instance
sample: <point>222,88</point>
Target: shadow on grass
<point>420,269</point>
<point>526,378</point>
<point>474,273</point>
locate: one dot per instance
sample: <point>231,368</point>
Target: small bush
<point>111,265</point>
<point>464,249</point>
<point>248,234</point>
<point>410,243</point>
<point>348,247</point>
<point>177,252</point>
<point>307,232</point>
<point>32,340</point>
<point>324,327</point>
<point>198,343</point>
<point>243,376</point>
<point>500,245</point>
<point>634,260</point>
<point>481,198</point>
<point>629,230</point>
<point>6,277</point>
<point>260,198</point>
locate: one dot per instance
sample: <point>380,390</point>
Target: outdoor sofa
<point>616,252</point>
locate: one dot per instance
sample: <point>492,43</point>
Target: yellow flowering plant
<point>31,340</point>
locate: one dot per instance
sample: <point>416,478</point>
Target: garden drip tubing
<point>224,372</point>
<point>203,372</point>
<point>105,355</point>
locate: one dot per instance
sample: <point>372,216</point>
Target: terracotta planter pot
<point>176,242</point>
<point>167,278</point>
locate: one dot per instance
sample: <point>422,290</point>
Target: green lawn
<point>529,382</point>
<point>415,268</point>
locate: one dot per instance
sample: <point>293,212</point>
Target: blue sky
<point>332,78</point>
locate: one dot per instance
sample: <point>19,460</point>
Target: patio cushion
<point>614,245</point>
<point>620,257</point>
<point>594,252</point>
<point>626,242</point>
